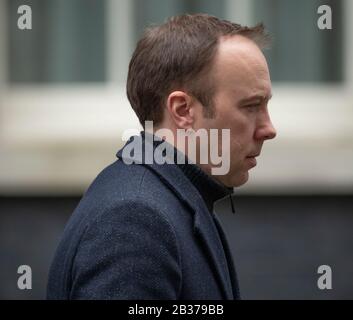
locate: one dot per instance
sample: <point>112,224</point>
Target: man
<point>145,230</point>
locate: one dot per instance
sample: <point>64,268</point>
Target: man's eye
<point>253,107</point>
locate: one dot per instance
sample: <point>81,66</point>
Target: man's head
<point>196,71</point>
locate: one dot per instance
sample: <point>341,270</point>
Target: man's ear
<point>180,107</point>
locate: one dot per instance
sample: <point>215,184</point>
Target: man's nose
<point>266,131</point>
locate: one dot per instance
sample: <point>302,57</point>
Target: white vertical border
<point>119,39</point>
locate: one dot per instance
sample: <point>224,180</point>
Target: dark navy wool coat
<point>142,231</point>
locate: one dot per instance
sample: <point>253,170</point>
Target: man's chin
<point>236,180</point>
<point>241,179</point>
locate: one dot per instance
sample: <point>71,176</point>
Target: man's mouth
<point>254,155</point>
<point>252,159</point>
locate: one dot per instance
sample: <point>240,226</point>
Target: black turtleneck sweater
<point>209,188</point>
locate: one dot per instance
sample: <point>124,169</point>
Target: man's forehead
<point>237,44</point>
<point>240,65</point>
<point>240,55</point>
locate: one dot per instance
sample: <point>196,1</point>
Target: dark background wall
<point>278,243</point>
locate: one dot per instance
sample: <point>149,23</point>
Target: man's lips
<point>254,155</point>
<point>252,160</point>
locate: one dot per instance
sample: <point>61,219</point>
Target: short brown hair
<point>176,55</point>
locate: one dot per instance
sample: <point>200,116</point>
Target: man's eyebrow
<point>256,97</point>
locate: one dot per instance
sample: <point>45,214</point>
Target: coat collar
<point>204,226</point>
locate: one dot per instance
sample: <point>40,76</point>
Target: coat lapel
<point>204,226</point>
<point>232,271</point>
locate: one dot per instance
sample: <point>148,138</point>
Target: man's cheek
<point>236,148</point>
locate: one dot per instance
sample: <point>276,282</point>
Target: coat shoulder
<point>120,203</point>
<point>121,182</point>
